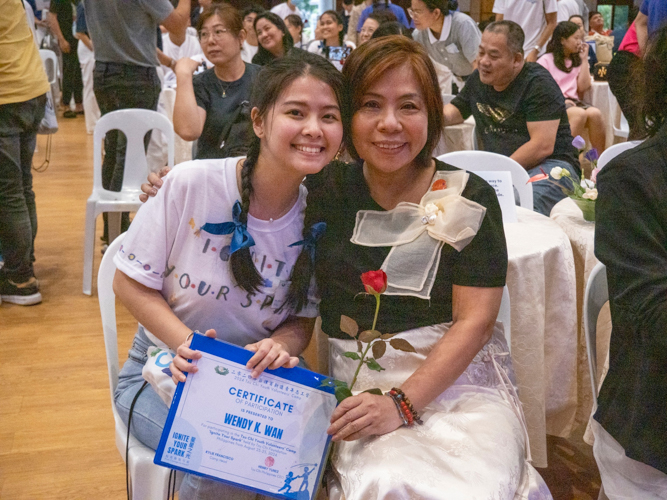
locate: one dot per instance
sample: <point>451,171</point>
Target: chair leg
<point>114,223</point>
<point>88,249</point>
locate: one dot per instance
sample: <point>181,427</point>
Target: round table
<point>581,234</point>
<point>541,283</point>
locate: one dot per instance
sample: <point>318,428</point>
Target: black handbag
<point>601,72</point>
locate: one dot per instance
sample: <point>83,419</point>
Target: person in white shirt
<point>285,9</point>
<point>194,274</point>
<point>567,9</point>
<point>537,18</point>
<point>295,27</point>
<point>250,44</point>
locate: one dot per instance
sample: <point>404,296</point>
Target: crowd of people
<point>267,108</point>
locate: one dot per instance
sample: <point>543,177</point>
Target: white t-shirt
<point>283,10</point>
<point>189,48</point>
<point>248,51</point>
<point>530,15</point>
<point>568,8</point>
<point>166,249</point>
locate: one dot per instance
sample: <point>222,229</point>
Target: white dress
<point>472,443</point>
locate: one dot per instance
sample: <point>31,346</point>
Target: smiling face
<point>391,126</point>
<point>270,37</point>
<point>303,131</point>
<point>219,44</point>
<point>367,30</point>
<point>329,29</point>
<point>497,65</point>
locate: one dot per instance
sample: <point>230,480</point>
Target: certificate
<point>266,434</point>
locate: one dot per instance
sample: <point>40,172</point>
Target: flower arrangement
<point>369,341</point>
<point>584,191</point>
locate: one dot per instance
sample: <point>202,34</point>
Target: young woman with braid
<point>181,268</point>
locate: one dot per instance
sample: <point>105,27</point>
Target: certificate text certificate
<point>266,434</point>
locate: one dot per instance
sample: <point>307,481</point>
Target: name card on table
<point>502,183</point>
<point>266,434</point>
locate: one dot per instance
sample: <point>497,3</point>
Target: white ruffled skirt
<point>472,445</point>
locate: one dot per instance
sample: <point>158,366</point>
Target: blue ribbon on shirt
<point>241,238</point>
<point>310,241</point>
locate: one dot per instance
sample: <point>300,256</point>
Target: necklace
<point>224,88</point>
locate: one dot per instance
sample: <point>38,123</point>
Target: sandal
<point>69,114</point>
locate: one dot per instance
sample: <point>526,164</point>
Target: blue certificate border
<point>234,353</point>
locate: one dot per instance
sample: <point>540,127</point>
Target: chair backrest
<point>505,316</point>
<point>596,295</point>
<point>447,98</point>
<point>480,161</point>
<point>50,62</point>
<point>613,151</point>
<point>107,299</point>
<point>618,120</point>
<point>134,123</point>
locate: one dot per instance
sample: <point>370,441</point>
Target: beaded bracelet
<point>400,411</point>
<point>410,413</point>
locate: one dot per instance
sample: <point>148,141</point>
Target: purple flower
<point>592,155</point>
<point>579,142</point>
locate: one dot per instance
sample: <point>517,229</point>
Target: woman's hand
<point>179,366</point>
<point>154,183</point>
<point>186,66</point>
<point>269,354</point>
<point>364,415</point>
<point>64,45</point>
<point>583,51</point>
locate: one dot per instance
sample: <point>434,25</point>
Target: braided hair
<point>276,78</point>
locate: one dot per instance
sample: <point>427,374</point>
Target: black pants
<point>72,82</point>
<point>624,79</point>
<point>18,214</point>
<point>122,86</point>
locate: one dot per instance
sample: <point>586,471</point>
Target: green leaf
<point>402,345</point>
<point>342,393</point>
<point>339,383</point>
<point>375,391</point>
<point>349,326</point>
<point>369,335</point>
<point>352,355</point>
<point>373,365</point>
<point>379,348</point>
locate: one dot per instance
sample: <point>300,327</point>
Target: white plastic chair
<point>134,123</point>
<point>50,62</point>
<point>613,151</point>
<point>618,120</point>
<point>147,480</point>
<point>596,295</point>
<point>482,161</point>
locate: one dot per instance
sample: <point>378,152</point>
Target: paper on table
<point>502,183</point>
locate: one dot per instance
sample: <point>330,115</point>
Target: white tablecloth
<point>598,96</point>
<point>541,283</point>
<point>459,137</point>
<point>581,234</point>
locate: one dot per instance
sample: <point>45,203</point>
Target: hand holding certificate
<point>266,434</point>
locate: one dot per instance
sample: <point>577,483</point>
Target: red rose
<point>375,282</point>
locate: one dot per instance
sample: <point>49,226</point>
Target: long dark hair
<point>275,78</point>
<point>654,105</point>
<point>337,19</point>
<point>263,56</point>
<point>443,5</point>
<point>563,30</point>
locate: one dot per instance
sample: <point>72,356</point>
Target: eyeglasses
<point>217,34</point>
<point>415,13</point>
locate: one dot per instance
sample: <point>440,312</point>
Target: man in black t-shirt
<point>519,111</point>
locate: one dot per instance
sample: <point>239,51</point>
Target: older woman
<point>213,106</point>
<point>445,287</point>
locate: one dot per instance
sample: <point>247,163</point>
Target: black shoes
<point>23,294</point>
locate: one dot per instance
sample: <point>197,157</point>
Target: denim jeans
<point>546,194</point>
<point>148,419</point>
<point>18,213</point>
<point>122,86</point>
